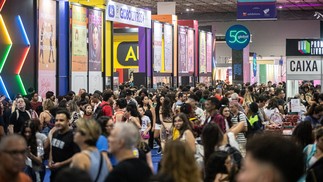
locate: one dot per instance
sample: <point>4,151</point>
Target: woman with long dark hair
<point>132,115</point>
<point>150,112</point>
<point>157,127</point>
<point>185,134</point>
<point>34,166</point>
<point>166,118</point>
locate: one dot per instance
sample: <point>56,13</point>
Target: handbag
<point>145,136</point>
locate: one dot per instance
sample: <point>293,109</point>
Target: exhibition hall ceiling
<point>222,6</point>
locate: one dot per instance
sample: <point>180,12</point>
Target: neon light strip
<point>23,59</point>
<point>4,88</point>
<point>5,31</point>
<point>1,5</point>
<point>6,52</point>
<point>21,85</point>
<point>22,29</point>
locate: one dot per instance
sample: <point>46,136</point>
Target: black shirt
<point>130,170</point>
<point>63,146</point>
<point>18,120</point>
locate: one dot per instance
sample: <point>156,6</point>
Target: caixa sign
<point>304,66</point>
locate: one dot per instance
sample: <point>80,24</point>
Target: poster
<point>202,51</point>
<point>182,50</point>
<point>95,40</point>
<point>79,48</point>
<point>209,43</point>
<point>168,45</point>
<point>95,50</point>
<point>79,36</point>
<point>157,44</point>
<point>295,105</point>
<point>47,47</point>
<point>190,50</point>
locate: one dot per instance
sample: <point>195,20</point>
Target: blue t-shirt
<point>102,144</point>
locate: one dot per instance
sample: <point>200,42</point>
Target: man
<point>272,158</point>
<point>62,147</point>
<point>193,101</point>
<point>35,104</point>
<point>105,105</point>
<point>95,101</point>
<point>13,150</point>
<point>181,98</point>
<point>19,116</point>
<point>122,140</point>
<point>212,105</point>
<point>280,95</point>
<point>129,97</point>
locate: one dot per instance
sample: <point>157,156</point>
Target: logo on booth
<point>237,37</point>
<point>304,47</point>
<point>111,9</point>
<point>128,53</point>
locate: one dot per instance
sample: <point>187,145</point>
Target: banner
<point>79,48</point>
<point>157,46</point>
<point>209,50</point>
<point>182,50</point>
<point>304,47</point>
<point>257,10</point>
<point>47,47</point>
<point>95,40</point>
<point>128,14</point>
<point>95,50</point>
<point>168,46</point>
<point>202,51</point>
<point>190,50</point>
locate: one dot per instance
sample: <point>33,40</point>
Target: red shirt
<point>106,108</point>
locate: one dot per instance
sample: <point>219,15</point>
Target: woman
<point>303,135</point>
<point>157,128</point>
<point>219,167</point>
<point>225,112</point>
<point>314,160</point>
<point>75,112</point>
<point>88,111</point>
<point>132,115</point>
<point>165,117</point>
<point>147,105</point>
<point>314,114</point>
<point>272,111</point>
<point>90,158</point>
<point>178,164</point>
<point>213,139</point>
<point>34,162</point>
<point>144,153</point>
<point>119,110</point>
<point>182,125</point>
<point>46,119</point>
<point>145,125</point>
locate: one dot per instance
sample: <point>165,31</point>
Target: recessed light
<point>187,9</point>
<point>192,9</point>
<point>280,7</point>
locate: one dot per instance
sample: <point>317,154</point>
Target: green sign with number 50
<point>237,37</point>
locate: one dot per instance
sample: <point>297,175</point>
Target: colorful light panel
<point>21,85</point>
<point>4,88</point>
<point>7,41</point>
<point>2,2</point>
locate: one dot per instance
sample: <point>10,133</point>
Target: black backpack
<point>99,111</point>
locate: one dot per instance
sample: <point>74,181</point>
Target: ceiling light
<point>187,9</point>
<point>192,9</point>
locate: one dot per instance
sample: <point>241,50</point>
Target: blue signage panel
<point>237,37</point>
<point>257,11</point>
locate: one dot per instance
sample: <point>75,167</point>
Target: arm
<point>190,140</point>
<point>36,159</point>
<point>238,128</point>
<point>105,156</point>
<point>153,113</point>
<point>149,161</point>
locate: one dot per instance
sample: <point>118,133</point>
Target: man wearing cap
<point>129,97</point>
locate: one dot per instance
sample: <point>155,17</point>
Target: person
<point>75,113</point>
<point>178,164</point>
<point>165,117</point>
<point>73,174</point>
<point>46,118</point>
<point>19,116</point>
<point>51,46</point>
<point>36,105</point>
<point>312,151</point>
<point>314,172</point>
<point>239,121</point>
<point>62,147</point>
<point>90,158</point>
<point>145,125</point>
<point>122,140</point>
<point>119,110</point>
<point>272,111</point>
<point>303,135</point>
<point>182,125</point>
<point>132,115</point>
<point>88,111</point>
<point>314,115</point>
<point>95,47</point>
<point>105,104</point>
<point>12,156</point>
<point>35,152</point>
<point>284,162</point>
<point>212,105</point>
<point>219,167</point>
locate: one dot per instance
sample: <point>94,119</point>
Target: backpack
<point>99,111</point>
<point>17,113</point>
<point>254,125</point>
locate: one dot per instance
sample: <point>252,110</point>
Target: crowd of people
<point>204,133</point>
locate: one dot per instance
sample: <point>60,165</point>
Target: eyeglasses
<point>15,152</point>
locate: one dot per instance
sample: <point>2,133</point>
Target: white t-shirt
<point>144,123</point>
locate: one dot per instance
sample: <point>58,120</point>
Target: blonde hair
<point>48,104</point>
<point>179,162</point>
<point>90,128</point>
